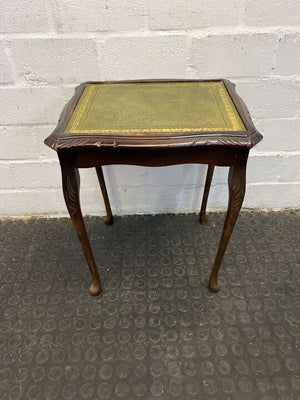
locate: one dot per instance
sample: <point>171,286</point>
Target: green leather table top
<point>141,108</point>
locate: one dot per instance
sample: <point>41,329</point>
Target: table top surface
<point>154,113</point>
<point>141,109</point>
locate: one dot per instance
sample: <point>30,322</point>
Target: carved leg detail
<point>71,182</point>
<point>237,185</point>
<point>109,217</point>
<point>209,175</point>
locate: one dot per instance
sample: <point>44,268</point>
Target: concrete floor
<point>156,332</point>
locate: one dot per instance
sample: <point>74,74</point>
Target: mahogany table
<point>154,123</point>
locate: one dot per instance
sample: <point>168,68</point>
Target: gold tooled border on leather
<point>90,90</point>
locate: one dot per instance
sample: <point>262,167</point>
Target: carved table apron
<point>154,123</point>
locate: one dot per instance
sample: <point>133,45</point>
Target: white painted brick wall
<point>193,14</point>
<point>24,16</point>
<point>279,135</point>
<point>272,12</point>
<point>47,48</point>
<point>251,55</point>
<point>25,143</point>
<point>32,104</point>
<point>144,57</point>
<point>44,61</point>
<point>99,15</point>
<point>288,56</point>
<point>271,98</point>
<point>5,74</point>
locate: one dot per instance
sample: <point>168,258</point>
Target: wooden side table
<point>154,123</point>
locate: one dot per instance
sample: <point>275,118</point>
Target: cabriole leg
<point>209,175</point>
<point>237,185</point>
<point>71,183</point>
<point>109,217</point>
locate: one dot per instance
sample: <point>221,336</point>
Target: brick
<point>272,195</point>
<point>5,73</point>
<point>184,175</point>
<point>234,55</point>
<point>176,175</point>
<point>25,142</point>
<point>56,60</point>
<point>279,168</point>
<point>153,199</point>
<point>46,173</point>
<point>115,176</point>
<point>175,14</point>
<point>271,98</point>
<point>32,202</point>
<point>144,57</point>
<point>23,16</point>
<point>30,175</point>
<point>131,200</point>
<point>131,191</point>
<point>50,201</point>
<point>39,105</point>
<point>100,15</point>
<point>182,198</point>
<point>276,12</point>
<point>162,199</point>
<point>288,57</point>
<point>279,134</point>
<point>153,190</point>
